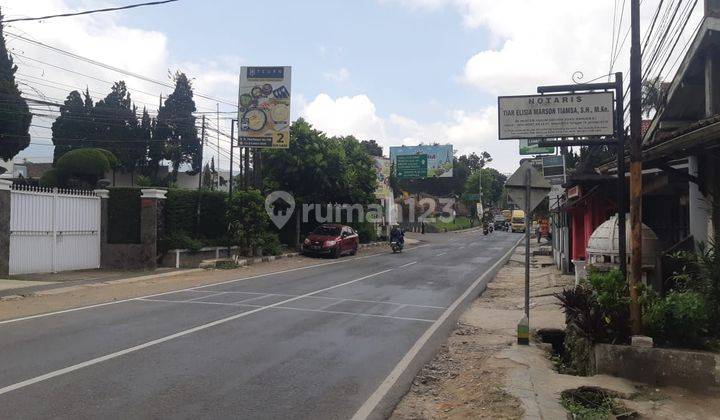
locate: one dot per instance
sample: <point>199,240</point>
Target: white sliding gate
<point>53,230</point>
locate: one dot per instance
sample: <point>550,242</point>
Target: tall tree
<point>176,126</point>
<point>492,182</point>
<point>145,136</point>
<point>15,115</point>
<point>116,124</point>
<point>74,125</point>
<point>372,148</point>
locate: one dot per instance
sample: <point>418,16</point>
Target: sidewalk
<point>480,372</point>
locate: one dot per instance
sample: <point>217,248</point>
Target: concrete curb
<point>383,401</point>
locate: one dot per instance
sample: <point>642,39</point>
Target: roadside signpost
<point>531,147</point>
<point>411,166</point>
<point>556,116</point>
<point>554,169</point>
<point>527,188</point>
<point>579,114</point>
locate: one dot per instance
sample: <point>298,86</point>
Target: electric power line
<point>87,12</point>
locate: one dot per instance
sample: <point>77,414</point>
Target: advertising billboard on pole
<point>264,107</point>
<point>555,116</point>
<point>415,162</point>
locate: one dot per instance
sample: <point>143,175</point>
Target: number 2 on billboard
<point>279,139</point>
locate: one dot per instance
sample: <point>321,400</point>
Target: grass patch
<point>457,224</point>
<point>589,403</point>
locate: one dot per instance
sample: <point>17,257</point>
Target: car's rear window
<point>327,231</point>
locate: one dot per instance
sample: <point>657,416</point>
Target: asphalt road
<point>334,340</point>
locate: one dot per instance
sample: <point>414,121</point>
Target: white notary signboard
<point>555,116</point>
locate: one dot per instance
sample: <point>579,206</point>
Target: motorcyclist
<point>397,235</point>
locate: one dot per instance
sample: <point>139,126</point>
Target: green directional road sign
<point>411,166</point>
<point>471,197</point>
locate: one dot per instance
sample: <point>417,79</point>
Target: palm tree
<point>651,96</point>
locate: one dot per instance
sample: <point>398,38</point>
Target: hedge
<point>181,214</point>
<point>124,216</point>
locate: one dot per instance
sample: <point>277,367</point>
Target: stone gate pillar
<point>5,187</point>
<point>150,202</point>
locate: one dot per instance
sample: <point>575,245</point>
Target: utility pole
<point>232,156</point>
<point>246,178</point>
<point>200,175</point>
<point>635,166</point>
<point>621,192</point>
<point>217,105</point>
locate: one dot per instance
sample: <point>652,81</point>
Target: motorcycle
<point>396,246</point>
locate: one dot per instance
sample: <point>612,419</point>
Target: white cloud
<point>467,131</point>
<point>338,76</point>
<point>538,43</point>
<point>346,115</point>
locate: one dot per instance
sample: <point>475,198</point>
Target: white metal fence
<point>53,230</point>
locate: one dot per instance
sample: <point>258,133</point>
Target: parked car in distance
<point>333,240</point>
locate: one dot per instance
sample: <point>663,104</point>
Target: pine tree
<point>15,115</point>
<point>176,126</point>
<point>150,162</point>
<point>70,129</point>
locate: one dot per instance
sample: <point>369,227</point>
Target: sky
<point>401,72</point>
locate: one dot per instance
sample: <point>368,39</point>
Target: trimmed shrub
<point>86,165</point>
<point>181,240</point>
<point>124,216</point>
<point>181,214</point>
<point>50,179</point>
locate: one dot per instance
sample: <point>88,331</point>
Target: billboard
<point>382,170</point>
<point>413,162</point>
<point>530,147</point>
<point>555,116</point>
<point>264,107</point>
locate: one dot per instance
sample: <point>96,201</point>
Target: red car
<point>333,240</point>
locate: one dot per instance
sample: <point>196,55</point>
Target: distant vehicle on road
<point>500,222</point>
<point>333,240</point>
<point>517,224</point>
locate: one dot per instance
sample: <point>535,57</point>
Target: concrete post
<point>104,251</point>
<point>149,209</point>
<point>5,228</point>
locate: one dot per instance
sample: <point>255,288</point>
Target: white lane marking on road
<point>396,310</point>
<point>322,309</point>
<point>408,264</point>
<point>334,299</point>
<point>371,403</point>
<point>207,296</point>
<point>337,302</point>
<point>441,254</point>
<point>116,354</point>
<point>115,302</point>
<point>356,313</point>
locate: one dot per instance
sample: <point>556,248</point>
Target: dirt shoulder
<point>469,375</point>
<point>480,372</point>
<point>94,293</point>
